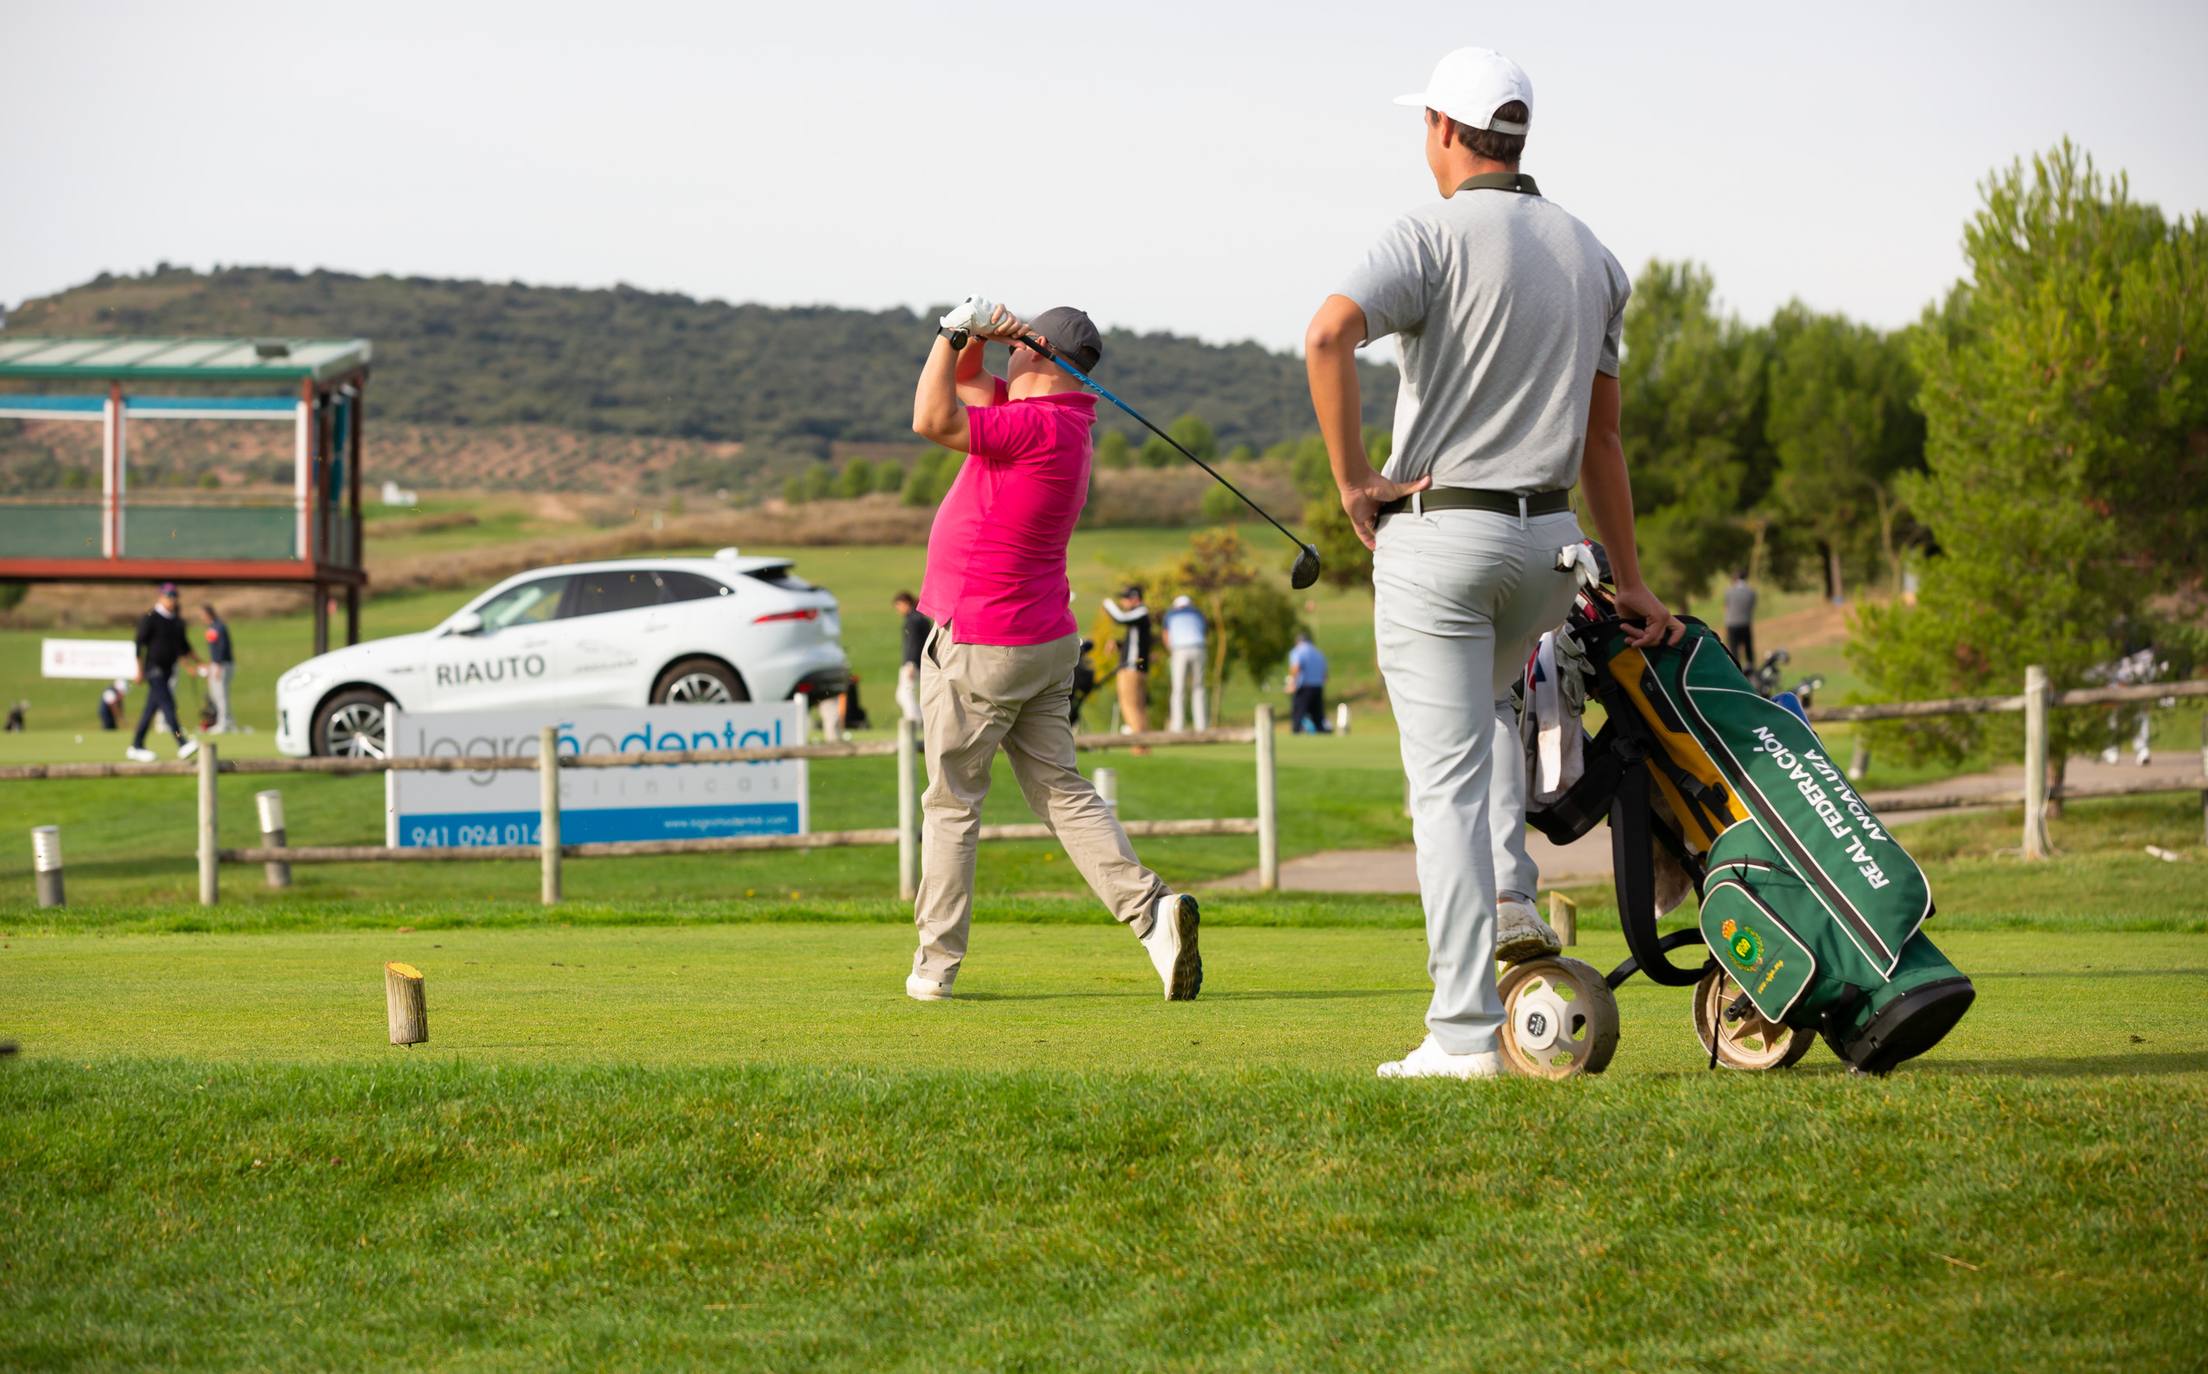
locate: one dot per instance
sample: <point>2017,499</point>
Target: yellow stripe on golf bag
<point>1700,822</point>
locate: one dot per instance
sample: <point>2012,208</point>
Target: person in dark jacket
<point>1133,618</point>
<point>915,628</point>
<point>162,643</point>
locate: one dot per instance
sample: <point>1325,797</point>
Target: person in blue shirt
<point>1186,632</point>
<point>1306,687</point>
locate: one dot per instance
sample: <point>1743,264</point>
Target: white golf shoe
<point>187,749</point>
<point>1430,1060</point>
<point>1521,934</point>
<point>138,755</point>
<point>1172,946</point>
<point>921,989</point>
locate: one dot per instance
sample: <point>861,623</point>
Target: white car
<point>624,633</point>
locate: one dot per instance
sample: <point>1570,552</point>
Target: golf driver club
<point>1306,569</point>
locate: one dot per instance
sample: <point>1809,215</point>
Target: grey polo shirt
<point>1504,308</point>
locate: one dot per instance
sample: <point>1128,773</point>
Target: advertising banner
<point>646,802</point>
<point>101,660</point>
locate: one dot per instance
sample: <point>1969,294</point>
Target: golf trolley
<point>1810,912</point>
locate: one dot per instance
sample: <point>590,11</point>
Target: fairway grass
<point>1043,997</point>
<point>739,1146</point>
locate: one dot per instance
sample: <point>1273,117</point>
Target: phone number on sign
<point>470,836</point>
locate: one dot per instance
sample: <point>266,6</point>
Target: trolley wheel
<point>1559,1018</point>
<point>1751,1042</point>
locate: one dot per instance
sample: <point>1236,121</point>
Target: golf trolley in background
<point>1810,913</point>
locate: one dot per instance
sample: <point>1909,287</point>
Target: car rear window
<point>682,586</point>
<point>780,576</point>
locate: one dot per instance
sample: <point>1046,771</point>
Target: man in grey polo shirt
<point>1507,312</point>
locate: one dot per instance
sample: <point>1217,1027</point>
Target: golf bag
<point>1808,903</point>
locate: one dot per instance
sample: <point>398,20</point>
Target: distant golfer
<point>1740,621</point>
<point>1507,313</point>
<point>1186,632</point>
<point>162,644</point>
<point>997,670</point>
<point>913,627</point>
<point>1133,681</point>
<point>221,661</point>
<point>1306,687</point>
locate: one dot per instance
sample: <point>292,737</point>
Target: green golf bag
<point>1809,904</point>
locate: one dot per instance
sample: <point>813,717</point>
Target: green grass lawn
<point>688,1120</point>
<point>740,1146</point>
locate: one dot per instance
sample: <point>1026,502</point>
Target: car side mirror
<point>465,623</point>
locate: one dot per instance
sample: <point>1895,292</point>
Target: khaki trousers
<point>973,698</point>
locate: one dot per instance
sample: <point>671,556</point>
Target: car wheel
<point>698,682</point>
<point>350,725</point>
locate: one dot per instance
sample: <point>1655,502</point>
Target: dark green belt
<point>1477,498</point>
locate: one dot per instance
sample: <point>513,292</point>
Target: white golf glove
<point>971,314</point>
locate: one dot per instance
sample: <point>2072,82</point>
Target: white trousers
<point>1515,870</point>
<point>1188,676</point>
<point>218,691</point>
<point>1459,598</point>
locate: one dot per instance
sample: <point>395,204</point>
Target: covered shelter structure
<point>311,536</point>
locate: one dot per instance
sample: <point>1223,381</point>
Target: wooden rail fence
<point>2034,703</point>
<point>277,854</point>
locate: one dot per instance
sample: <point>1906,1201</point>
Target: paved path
<point>1395,870</point>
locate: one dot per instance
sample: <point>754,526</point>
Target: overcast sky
<point>1205,168</point>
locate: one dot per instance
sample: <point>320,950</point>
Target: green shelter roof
<point>211,360</point>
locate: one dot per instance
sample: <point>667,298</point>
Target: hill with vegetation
<point>625,361</point>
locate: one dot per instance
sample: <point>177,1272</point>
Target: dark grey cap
<point>1072,333</point>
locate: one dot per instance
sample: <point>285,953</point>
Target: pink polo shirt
<point>997,551</point>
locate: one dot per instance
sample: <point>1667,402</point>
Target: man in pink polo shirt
<point>998,667</point>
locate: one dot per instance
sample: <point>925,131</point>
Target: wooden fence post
<point>1107,787</point>
<point>908,813</point>
<point>46,864</point>
<point>406,1008</point>
<point>548,812</point>
<point>1268,819</point>
<point>1564,919</point>
<point>210,873</point>
<point>270,805</point>
<point>2035,762</point>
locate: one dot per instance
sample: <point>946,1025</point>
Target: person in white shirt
<point>1186,633</point>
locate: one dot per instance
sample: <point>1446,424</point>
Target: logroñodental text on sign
<point>645,802</point>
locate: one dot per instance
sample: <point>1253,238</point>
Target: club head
<point>1306,570</point>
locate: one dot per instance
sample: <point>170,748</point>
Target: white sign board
<point>103,660</point>
<point>682,801</point>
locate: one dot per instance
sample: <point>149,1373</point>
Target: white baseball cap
<point>1470,84</point>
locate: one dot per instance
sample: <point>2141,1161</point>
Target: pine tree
<point>2066,448</point>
